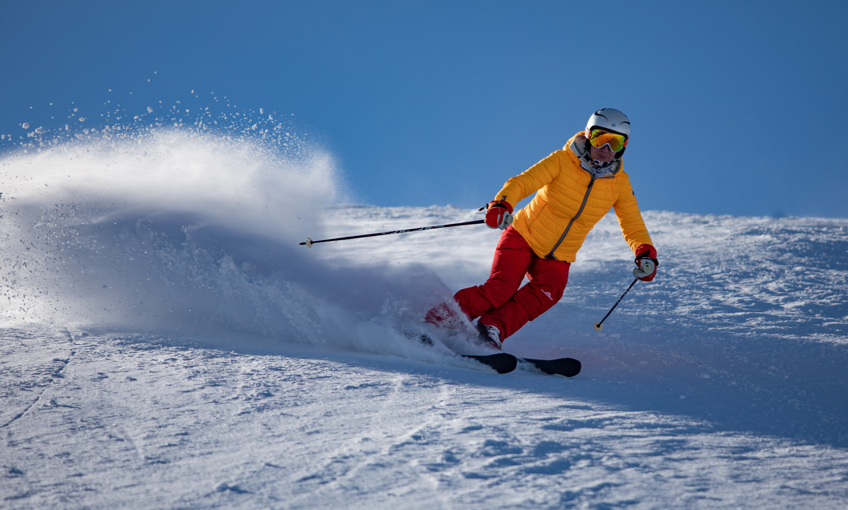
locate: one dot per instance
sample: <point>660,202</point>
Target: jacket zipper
<point>579,212</point>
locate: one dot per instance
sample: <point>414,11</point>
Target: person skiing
<point>575,187</point>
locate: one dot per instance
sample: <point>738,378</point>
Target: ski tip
<point>569,367</point>
<point>507,365</point>
<point>574,367</point>
<point>502,362</point>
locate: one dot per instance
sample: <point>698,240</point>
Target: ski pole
<point>600,325</point>
<point>309,242</point>
<point>646,268</point>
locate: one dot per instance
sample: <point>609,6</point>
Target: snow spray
<point>186,231</point>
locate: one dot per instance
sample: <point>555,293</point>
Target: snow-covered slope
<point>166,343</point>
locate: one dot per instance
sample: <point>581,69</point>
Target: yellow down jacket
<point>571,197</point>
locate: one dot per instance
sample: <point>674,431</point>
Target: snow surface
<point>167,344</point>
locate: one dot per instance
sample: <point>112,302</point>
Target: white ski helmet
<point>612,120</point>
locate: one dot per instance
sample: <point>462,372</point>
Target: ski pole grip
<point>646,267</point>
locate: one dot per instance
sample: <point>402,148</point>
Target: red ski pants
<point>499,302</point>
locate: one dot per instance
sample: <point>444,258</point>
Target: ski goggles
<point>598,138</point>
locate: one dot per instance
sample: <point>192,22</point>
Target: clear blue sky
<point>737,107</point>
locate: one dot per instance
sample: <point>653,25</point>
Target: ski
<point>502,362</point>
<point>569,367</point>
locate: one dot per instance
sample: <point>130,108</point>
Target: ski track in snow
<point>161,356</point>
<point>130,420</point>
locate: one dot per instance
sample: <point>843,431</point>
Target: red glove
<point>498,214</point>
<point>646,263</point>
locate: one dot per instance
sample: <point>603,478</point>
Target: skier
<point>575,187</point>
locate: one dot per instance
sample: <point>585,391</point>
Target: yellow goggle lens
<point>599,138</point>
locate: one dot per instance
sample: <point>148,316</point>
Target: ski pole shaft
<point>310,242</point>
<point>600,325</point>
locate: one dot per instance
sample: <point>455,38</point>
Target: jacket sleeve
<point>629,216</point>
<point>531,180</point>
